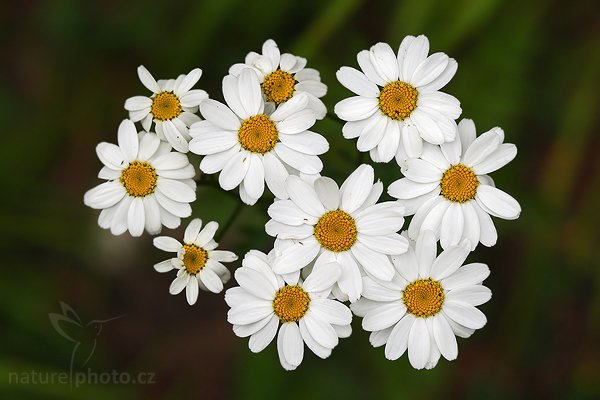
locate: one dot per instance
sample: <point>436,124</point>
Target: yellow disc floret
<point>398,99</point>
<point>278,86</point>
<point>165,106</point>
<point>139,179</point>
<point>258,134</point>
<point>194,258</point>
<point>459,184</point>
<point>336,231</point>
<point>291,303</point>
<point>423,297</point>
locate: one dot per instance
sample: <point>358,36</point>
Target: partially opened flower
<point>172,106</point>
<point>147,185</point>
<point>198,263</point>
<point>251,146</point>
<point>430,301</point>
<point>449,191</point>
<point>301,310</point>
<point>343,225</point>
<point>398,104</point>
<point>283,76</point>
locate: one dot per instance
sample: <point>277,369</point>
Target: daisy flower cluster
<point>339,249</point>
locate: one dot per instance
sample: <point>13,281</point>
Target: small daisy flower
<point>250,145</point>
<point>172,106</point>
<point>398,103</point>
<point>449,191</point>
<point>283,76</point>
<point>429,302</point>
<point>301,310</point>
<point>199,265</point>
<point>342,225</point>
<point>147,185</point>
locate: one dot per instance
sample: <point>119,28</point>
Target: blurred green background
<point>67,68</point>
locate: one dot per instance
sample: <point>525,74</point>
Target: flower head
<point>398,104</point>
<point>449,191</point>
<point>252,143</point>
<point>198,262</point>
<point>301,310</point>
<point>147,185</point>
<point>172,106</point>
<point>430,301</point>
<point>283,76</point>
<point>326,224</point>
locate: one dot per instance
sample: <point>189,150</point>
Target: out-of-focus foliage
<point>68,66</point>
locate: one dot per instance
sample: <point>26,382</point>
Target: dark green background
<point>531,67</point>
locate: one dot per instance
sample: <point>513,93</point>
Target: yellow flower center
<point>139,179</point>
<point>258,134</point>
<point>423,297</point>
<point>194,258</point>
<point>165,106</point>
<point>398,99</point>
<point>459,184</point>
<point>291,303</point>
<point>336,231</point>
<point>278,86</point>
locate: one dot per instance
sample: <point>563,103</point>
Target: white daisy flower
<point>172,106</point>
<point>199,265</point>
<point>343,225</point>
<point>429,302</point>
<point>398,103</point>
<point>147,185</point>
<point>283,76</point>
<point>250,145</point>
<point>449,192</point>
<point>263,302</point>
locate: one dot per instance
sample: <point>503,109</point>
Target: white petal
<point>297,122</point>
<point>136,218</point>
<point>296,257</point>
<point>234,171</point>
<point>176,190</point>
<point>406,188</point>
<point>105,195</point>
<point>179,284</point>
<point>498,203</point>
<point>419,344</point>
<point>357,82</point>
<point>211,280</point>
<point>469,274</point>
<point>328,192</point>
<point>356,188</point>
<point>304,196</point>
<point>250,92</point>
<point>164,266</point>
<point>308,164</point>
<point>364,60</point>
<point>254,181</point>
<point>255,283</point>
<point>384,61</point>
<point>444,337</point>
<point>443,79</point>
<point>188,82</point>
<point>293,345</point>
<point>275,175</point>
<point>451,229</point>
<point>426,251</point>
<point>312,344</point>
<point>416,53</point>
<point>191,291</point>
<point>488,234</point>
<point>147,79</point>
<point>504,154</point>
<point>474,295</point>
<point>482,147</point>
<point>449,261</point>
<point>322,278</point>
<point>219,114</point>
<point>430,69</point>
<point>350,282</point>
<point>213,142</point>
<point>321,331</point>
<point>392,244</point>
<point>397,342</point>
<point>206,234</point>
<point>128,140</point>
<point>356,108</point>
<point>421,171</point>
<point>465,314</point>
<point>375,264</point>
<point>384,316</point>
<point>306,142</point>
<point>263,337</point>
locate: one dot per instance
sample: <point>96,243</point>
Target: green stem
<point>230,221</point>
